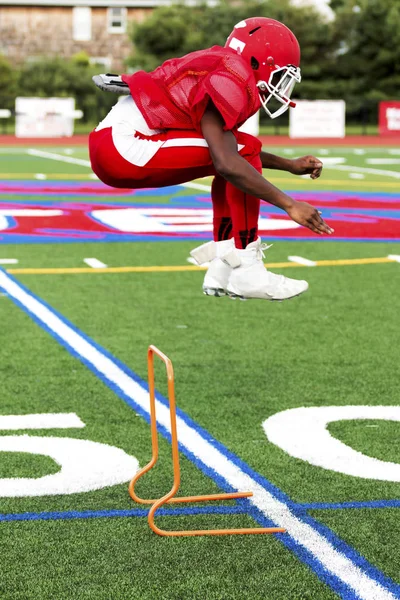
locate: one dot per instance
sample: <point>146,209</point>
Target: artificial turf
<point>236,364</point>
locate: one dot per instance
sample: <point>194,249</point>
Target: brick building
<point>37,28</point>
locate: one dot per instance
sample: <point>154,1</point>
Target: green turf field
<point>237,364</point>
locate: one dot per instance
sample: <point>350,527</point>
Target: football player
<point>181,122</point>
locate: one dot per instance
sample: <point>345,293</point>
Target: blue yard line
<point>355,504</point>
<point>134,512</point>
<point>362,575</point>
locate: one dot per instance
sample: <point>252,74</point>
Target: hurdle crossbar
<point>171,497</point>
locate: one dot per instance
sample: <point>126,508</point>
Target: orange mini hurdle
<point>170,497</point>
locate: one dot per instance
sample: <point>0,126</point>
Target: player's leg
<point>248,277</point>
<point>235,222</point>
<point>138,161</point>
<point>179,156</point>
<point>218,272</point>
<point>238,268</point>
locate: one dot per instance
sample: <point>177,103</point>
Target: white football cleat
<point>250,279</point>
<point>217,275</point>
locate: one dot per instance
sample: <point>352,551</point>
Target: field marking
<point>351,504</point>
<point>395,257</point>
<point>346,572</point>
<point>94,263</point>
<point>281,149</point>
<point>306,262</point>
<point>120,513</point>
<point>327,182</point>
<point>383,161</point>
<point>303,434</point>
<point>333,160</point>
<point>40,421</point>
<point>385,173</point>
<point>49,176</point>
<point>197,186</point>
<point>274,178</point>
<point>59,157</point>
<point>177,268</point>
<point>8,261</point>
<point>30,212</point>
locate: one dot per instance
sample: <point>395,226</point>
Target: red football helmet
<point>273,52</point>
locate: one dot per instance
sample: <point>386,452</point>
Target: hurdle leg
<point>170,496</point>
<point>152,350</point>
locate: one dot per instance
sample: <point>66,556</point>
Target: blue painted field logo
<point>141,215</point>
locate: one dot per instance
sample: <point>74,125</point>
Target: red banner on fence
<point>389,118</point>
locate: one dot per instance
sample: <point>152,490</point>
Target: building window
<point>117,17</point>
<point>82,23</point>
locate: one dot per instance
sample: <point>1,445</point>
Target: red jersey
<point>175,95</point>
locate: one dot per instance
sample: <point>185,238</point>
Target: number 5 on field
<point>85,465</point>
<point>302,433</point>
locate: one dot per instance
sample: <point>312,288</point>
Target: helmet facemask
<point>279,87</point>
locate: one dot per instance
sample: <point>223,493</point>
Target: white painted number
<point>172,220</point>
<point>85,465</point>
<point>302,433</point>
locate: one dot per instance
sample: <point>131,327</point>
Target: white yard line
<point>333,160</point>
<point>394,174</point>
<point>198,444</point>
<point>95,263</point>
<point>395,257</point>
<point>8,261</point>
<point>58,157</point>
<point>383,161</point>
<point>302,261</point>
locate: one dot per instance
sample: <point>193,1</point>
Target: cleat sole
<point>233,296</point>
<point>217,292</point>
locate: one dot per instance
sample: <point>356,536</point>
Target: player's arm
<point>305,165</point>
<point>235,169</point>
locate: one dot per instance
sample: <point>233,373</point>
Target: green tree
<point>57,77</point>
<point>178,29</point>
<point>8,84</point>
<point>368,67</point>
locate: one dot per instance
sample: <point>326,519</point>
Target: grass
<point>236,364</point>
<point>120,559</point>
<point>351,129</point>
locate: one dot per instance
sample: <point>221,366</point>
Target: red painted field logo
<point>141,216</point>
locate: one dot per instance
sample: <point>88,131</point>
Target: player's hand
<point>306,165</point>
<point>308,216</point>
